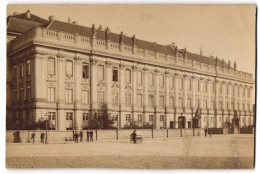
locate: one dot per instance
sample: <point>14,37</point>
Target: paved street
<point>220,151</point>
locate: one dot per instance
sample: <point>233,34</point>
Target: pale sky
<point>226,31</point>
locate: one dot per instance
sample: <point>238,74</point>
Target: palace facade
<point>63,71</point>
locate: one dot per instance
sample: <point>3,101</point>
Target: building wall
<point>142,88</point>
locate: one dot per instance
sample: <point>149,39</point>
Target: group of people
<point>33,135</point>
<point>89,133</point>
<point>206,131</point>
<point>76,135</point>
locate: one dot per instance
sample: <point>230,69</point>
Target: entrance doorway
<point>181,122</point>
<point>172,124</point>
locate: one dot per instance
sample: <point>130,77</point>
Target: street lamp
<point>46,138</point>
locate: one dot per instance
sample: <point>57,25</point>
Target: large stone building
<point>64,71</point>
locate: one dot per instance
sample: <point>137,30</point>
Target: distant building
<point>66,70</point>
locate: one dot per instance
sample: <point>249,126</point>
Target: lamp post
<point>46,138</point>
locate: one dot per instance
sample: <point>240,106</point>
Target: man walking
<point>33,136</point>
<point>76,136</point>
<point>205,130</point>
<point>91,135</point>
<point>81,136</point>
<point>42,137</point>
<point>88,133</point>
<point>134,136</point>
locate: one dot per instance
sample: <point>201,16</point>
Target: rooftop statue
<point>133,39</point>
<point>235,66</point>
<point>121,39</point>
<point>107,33</point>
<point>94,30</point>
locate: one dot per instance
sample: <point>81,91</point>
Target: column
<point>61,116</point>
<point>185,92</point>
<point>108,84</point>
<point>134,89</point>
<point>192,98</point>
<point>43,77</point>
<point>176,87</point>
<point>77,92</point>
<point>38,77</point>
<point>229,101</point>
<point>121,92</point>
<point>185,98</point>
<point>157,98</point>
<point>166,99</point>
<point>201,92</point>
<point>93,83</point>
<point>145,97</point>
<point>236,97</point>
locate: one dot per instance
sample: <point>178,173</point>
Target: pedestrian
<point>205,130</point>
<point>134,136</point>
<point>33,136</point>
<point>42,137</point>
<point>88,133</point>
<point>91,135</point>
<point>76,136</point>
<point>81,136</point>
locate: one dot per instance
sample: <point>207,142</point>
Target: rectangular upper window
<point>28,93</point>
<point>115,99</point>
<point>139,78</point>
<point>51,66</point>
<point>139,100</point>
<point>100,72</point>
<point>161,80</point>
<point>21,70</point>
<point>115,75</point>
<point>128,99</point>
<point>188,84</point>
<point>85,71</point>
<point>69,95</point>
<point>171,82</point>
<point>100,97</point>
<point>69,68</point>
<point>128,76</point>
<point>28,67</point>
<point>161,101</point>
<point>172,102</point>
<point>84,96</point>
<point>51,94</point>
<point>151,101</point>
<point>151,79</point>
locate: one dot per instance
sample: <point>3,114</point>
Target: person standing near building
<point>88,135</point>
<point>81,136</point>
<point>91,135</point>
<point>134,136</point>
<point>42,137</point>
<point>205,130</point>
<point>33,136</point>
<point>76,136</point>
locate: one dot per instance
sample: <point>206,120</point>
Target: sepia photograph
<point>157,86</point>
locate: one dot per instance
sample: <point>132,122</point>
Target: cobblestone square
<point>217,152</point>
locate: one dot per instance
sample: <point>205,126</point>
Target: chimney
<point>75,22</point>
<point>51,18</point>
<point>28,14</point>
<point>201,52</point>
<point>15,13</point>
<point>68,20</point>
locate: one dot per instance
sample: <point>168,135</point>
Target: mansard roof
<point>21,24</point>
